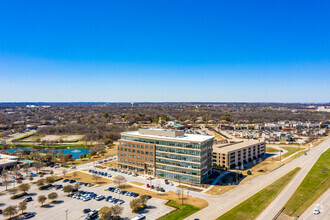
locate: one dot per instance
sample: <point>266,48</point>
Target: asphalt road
<point>220,204</point>
<point>323,204</point>
<point>288,191</point>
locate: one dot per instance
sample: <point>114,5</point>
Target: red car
<point>0,211</point>
<point>152,187</point>
<point>148,186</point>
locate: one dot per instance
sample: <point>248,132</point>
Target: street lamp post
<point>66,214</point>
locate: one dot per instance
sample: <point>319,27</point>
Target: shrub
<point>18,195</point>
<point>249,172</point>
<point>45,187</point>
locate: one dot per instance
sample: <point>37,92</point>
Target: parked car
<point>29,215</point>
<point>86,211</point>
<point>66,180</point>
<point>28,199</point>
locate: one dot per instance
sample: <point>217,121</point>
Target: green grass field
<point>312,187</point>
<point>291,150</point>
<point>253,206</point>
<point>181,212</point>
<point>271,150</point>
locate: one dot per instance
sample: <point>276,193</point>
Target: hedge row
<point>18,195</point>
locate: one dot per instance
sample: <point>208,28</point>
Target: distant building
<point>231,155</point>
<point>7,161</point>
<point>167,153</point>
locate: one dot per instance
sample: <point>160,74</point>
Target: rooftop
<point>167,134</point>
<point>227,147</point>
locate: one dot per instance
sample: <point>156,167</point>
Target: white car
<point>316,211</point>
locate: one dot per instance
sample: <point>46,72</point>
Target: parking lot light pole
<point>66,214</point>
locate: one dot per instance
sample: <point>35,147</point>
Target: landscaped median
<point>180,212</point>
<point>312,187</point>
<point>253,206</point>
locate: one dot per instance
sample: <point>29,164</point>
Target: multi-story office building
<point>231,155</point>
<point>165,153</point>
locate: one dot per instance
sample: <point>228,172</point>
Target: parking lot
<point>73,206</point>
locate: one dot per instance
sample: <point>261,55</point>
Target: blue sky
<point>212,51</point>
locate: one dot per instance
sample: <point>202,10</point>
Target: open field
<point>312,187</point>
<point>253,206</point>
<point>271,150</point>
<point>64,138</point>
<point>85,177</point>
<point>181,212</point>
<point>170,195</point>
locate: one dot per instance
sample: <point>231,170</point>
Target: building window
<point>138,146</point>
<point>129,156</point>
<point>151,159</point>
<point>138,163</point>
<point>138,157</point>
<point>133,151</point>
<point>151,147</point>
<point>147,147</point>
<point>142,146</point>
<point>138,151</point>
<point>133,145</point>
<point>125,155</point>
<point>142,158</point>
<point>146,158</point>
<point>129,145</point>
<point>142,152</point>
<point>151,154</point>
<point>147,152</point>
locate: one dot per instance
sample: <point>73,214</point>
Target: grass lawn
<point>170,195</point>
<point>312,187</point>
<point>291,150</point>
<point>271,150</point>
<point>190,188</point>
<point>300,153</point>
<point>181,212</point>
<point>253,206</point>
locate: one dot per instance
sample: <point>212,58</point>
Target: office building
<point>166,153</point>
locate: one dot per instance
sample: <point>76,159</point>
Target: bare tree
<point>118,180</point>
<point>96,177</point>
<point>5,181</point>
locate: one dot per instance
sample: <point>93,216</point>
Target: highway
<point>288,191</point>
<point>323,204</point>
<point>220,204</point>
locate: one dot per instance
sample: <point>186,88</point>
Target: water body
<point>75,152</point>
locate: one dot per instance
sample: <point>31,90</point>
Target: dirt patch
<point>113,164</point>
<point>137,183</point>
<point>170,195</point>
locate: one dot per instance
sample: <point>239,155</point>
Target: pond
<point>75,152</point>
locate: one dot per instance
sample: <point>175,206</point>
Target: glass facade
<point>181,161</point>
